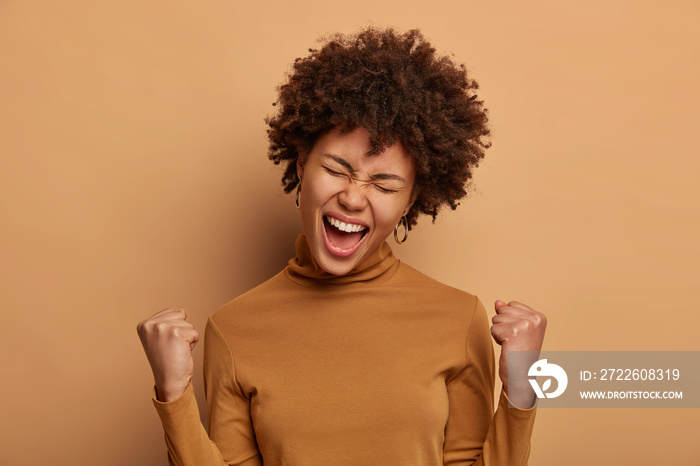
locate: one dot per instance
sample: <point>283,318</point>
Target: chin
<point>331,257</point>
<point>335,265</point>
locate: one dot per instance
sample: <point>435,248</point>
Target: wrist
<point>520,396</point>
<point>167,393</point>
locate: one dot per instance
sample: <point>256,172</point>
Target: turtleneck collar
<point>378,267</point>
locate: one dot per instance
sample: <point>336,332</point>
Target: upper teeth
<point>342,226</point>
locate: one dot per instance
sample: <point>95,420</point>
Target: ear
<point>300,165</point>
<point>414,194</point>
<point>300,168</point>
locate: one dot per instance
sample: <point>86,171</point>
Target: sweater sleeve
<point>474,435</point>
<point>231,439</point>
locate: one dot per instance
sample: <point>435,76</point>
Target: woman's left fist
<point>517,327</point>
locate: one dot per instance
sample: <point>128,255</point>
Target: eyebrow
<point>378,176</point>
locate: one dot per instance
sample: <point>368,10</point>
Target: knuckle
<point>540,320</point>
<point>161,327</point>
<point>142,331</point>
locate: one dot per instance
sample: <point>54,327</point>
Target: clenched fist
<point>517,327</point>
<point>168,340</point>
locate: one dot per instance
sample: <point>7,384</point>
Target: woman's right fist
<point>168,340</point>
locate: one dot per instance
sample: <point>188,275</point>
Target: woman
<point>348,356</point>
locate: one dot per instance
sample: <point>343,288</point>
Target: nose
<point>352,197</point>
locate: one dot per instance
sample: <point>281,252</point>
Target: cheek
<point>387,210</point>
<point>319,190</point>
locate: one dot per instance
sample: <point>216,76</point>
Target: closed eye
<point>385,190</point>
<point>333,172</point>
<point>378,186</point>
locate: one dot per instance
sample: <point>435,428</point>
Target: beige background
<point>134,177</point>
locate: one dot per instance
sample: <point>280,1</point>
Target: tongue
<point>342,239</point>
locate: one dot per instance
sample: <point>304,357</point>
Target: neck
<point>375,269</point>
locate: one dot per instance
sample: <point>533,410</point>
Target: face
<point>351,202</point>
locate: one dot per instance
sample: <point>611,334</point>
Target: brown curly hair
<point>396,87</point>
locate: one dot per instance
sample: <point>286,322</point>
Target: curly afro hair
<point>397,87</point>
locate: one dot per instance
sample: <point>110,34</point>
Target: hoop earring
<point>296,199</point>
<point>403,220</point>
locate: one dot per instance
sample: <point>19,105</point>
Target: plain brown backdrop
<point>134,177</point>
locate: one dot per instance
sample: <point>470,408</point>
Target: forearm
<point>508,439</point>
<point>185,437</point>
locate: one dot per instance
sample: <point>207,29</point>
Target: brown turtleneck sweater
<point>382,366</point>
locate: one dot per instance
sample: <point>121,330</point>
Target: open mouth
<point>342,238</point>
